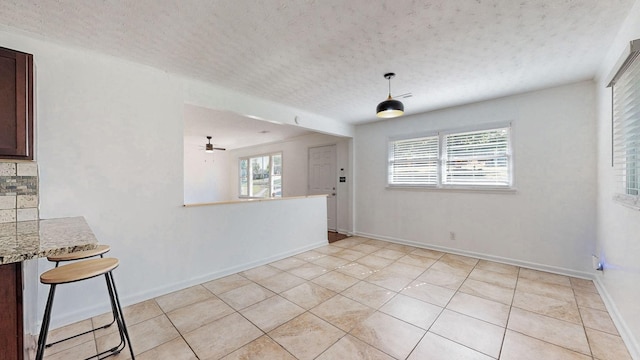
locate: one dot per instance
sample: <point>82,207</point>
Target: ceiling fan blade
<point>221,149</point>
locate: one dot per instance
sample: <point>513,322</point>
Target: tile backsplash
<point>18,191</point>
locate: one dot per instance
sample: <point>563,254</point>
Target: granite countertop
<point>25,240</point>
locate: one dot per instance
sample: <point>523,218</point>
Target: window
<point>261,176</point>
<point>626,128</point>
<point>469,159</point>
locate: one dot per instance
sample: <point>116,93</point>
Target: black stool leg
<point>119,318</point>
<point>42,338</point>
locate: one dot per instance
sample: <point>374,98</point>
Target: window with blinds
<point>470,159</point>
<point>477,158</point>
<point>414,161</point>
<point>626,127</point>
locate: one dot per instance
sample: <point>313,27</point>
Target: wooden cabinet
<point>11,340</point>
<point>16,105</point>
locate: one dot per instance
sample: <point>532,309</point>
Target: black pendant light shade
<point>389,108</point>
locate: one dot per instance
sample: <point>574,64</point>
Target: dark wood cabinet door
<point>11,346</point>
<point>16,105</point>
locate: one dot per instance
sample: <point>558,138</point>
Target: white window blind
<point>414,161</point>
<point>626,127</point>
<point>477,158</point>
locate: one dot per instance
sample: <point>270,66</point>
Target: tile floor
<point>366,299</point>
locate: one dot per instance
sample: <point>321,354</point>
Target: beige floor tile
<point>349,254</point>
<point>81,351</point>
<point>389,280</point>
<point>271,313</point>
<point>176,349</point>
<point>366,248</point>
<point>288,263</point>
<point>546,289</point>
<point>329,249</point>
<point>556,308</point>
<point>371,295</point>
<point>342,312</point>
<point>308,295</point>
<point>67,331</point>
<point>435,347</point>
<point>335,281</point>
<point>476,334</point>
<point>389,254</point>
<point>417,260</point>
<point>545,277</point>
<point>133,314</point>
<point>589,300</point>
<point>558,332</point>
<point>452,267</point>
<point>375,262</point>
<point>356,270</point>
<point>492,277</point>
<point>413,311</point>
<point>447,280</point>
<point>351,348</point>
<point>191,317</point>
<point>178,299</point>
<point>388,334</point>
<point>399,247</point>
<point>405,270</point>
<point>310,255</point>
<point>374,242</point>
<point>222,336</point>
<point>497,267</point>
<point>260,272</point>
<point>144,336</point>
<point>598,320</point>
<point>306,336</point>
<point>606,346</point>
<point>432,294</point>
<point>583,285</point>
<point>487,291</point>
<point>331,262</point>
<point>350,242</point>
<point>281,282</point>
<point>261,348</point>
<point>480,308</point>
<point>517,346</point>
<point>433,254</point>
<point>461,259</point>
<point>246,295</point>
<point>226,283</point>
<point>308,271</point>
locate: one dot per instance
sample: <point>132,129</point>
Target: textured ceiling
<point>328,56</point>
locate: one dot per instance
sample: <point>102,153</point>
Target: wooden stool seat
<point>78,255</point>
<point>79,271</point>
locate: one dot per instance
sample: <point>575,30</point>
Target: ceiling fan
<point>209,146</point>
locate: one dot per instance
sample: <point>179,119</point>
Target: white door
<point>322,179</point>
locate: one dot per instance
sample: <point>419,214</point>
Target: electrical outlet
<point>452,235</point>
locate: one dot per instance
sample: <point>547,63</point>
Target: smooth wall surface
<point>548,221</point>
<point>618,226</point>
<point>110,148</point>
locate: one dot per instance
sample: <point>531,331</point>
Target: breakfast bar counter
<point>25,240</point>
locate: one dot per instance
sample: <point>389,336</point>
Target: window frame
<point>271,175</point>
<point>619,163</point>
<point>441,135</point>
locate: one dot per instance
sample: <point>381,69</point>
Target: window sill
<point>474,189</point>
<point>629,201</point>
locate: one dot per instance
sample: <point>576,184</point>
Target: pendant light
<point>209,146</point>
<point>389,108</point>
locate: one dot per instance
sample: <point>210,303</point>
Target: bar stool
<point>100,250</point>
<point>78,271</point>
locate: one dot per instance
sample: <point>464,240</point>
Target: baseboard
<point>94,310</point>
<point>345,232</point>
<point>618,320</point>
<point>510,261</point>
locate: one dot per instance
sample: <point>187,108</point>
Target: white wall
<point>618,226</point>
<point>110,148</point>
<point>206,175</point>
<point>548,223</point>
<point>295,169</point>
